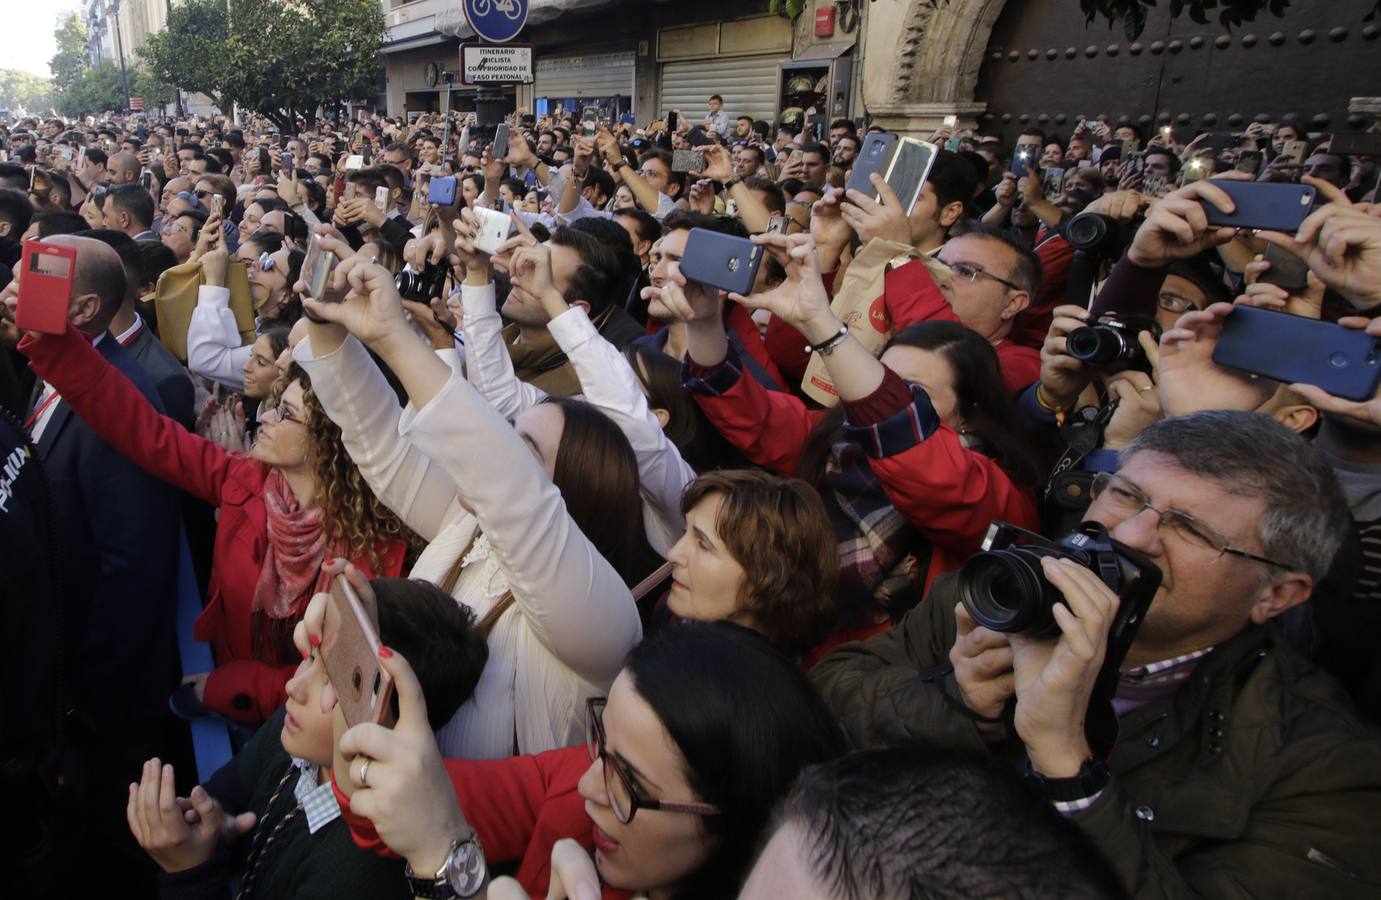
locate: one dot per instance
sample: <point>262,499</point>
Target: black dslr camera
<point>421,286</point>
<point>1004,588</point>
<point>1112,343</point>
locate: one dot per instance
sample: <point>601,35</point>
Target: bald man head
<point>122,168</point>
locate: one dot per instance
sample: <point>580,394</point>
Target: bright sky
<point>28,42</point>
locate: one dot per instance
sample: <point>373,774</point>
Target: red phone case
<point>45,287</point>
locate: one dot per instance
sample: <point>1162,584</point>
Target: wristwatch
<point>1092,777</point>
<point>462,874</point>
<point>729,185</point>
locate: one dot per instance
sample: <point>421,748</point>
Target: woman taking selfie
<point>921,455</point>
<point>534,526</point>
<point>293,502</point>
<point>671,791</point>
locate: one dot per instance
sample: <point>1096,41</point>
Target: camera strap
<point>1082,435</point>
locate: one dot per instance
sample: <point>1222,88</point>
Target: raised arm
<point>572,598</point>
<point>115,410</point>
<point>213,338</point>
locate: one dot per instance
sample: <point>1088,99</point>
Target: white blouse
<point>608,383</point>
<point>572,621</point>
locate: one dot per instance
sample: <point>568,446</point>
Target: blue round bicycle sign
<point>496,21</point>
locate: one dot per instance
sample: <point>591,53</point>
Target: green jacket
<point>1256,779</point>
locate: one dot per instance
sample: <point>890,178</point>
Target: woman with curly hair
<point>292,503</point>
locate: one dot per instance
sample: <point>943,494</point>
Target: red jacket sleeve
<point>950,493</point>
<point>119,415</point>
<point>263,687</point>
<point>912,296</point>
<point>769,427</point>
<point>741,321</point>
<point>1055,254</point>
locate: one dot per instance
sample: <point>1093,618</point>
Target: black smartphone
<point>1261,204</point>
<point>1345,362</point>
<point>366,151</point>
<point>721,260</point>
<point>672,121</point>
<point>1287,270</point>
<point>874,156</point>
<point>500,148</point>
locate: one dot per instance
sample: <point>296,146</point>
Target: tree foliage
<point>96,90</point>
<point>277,58</point>
<point>33,92</point>
<point>68,64</point>
<point>1133,14</point>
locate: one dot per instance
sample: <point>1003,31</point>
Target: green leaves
<point>33,92</point>
<point>276,58</point>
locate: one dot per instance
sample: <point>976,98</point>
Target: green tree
<point>96,90</point>
<point>33,92</point>
<point>282,60</point>
<point>1133,14</point>
<point>154,90</point>
<point>69,62</point>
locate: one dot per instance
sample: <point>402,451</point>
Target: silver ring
<point>364,772</point>
<point>373,260</point>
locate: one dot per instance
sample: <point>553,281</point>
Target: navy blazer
<point>117,547</point>
<point>169,378</point>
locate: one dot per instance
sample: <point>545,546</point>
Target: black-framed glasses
<point>1126,499</point>
<point>625,797</point>
<point>972,271</point>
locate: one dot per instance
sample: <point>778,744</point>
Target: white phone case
<point>494,228</point>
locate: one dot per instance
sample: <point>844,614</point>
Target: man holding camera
<point>1238,768</point>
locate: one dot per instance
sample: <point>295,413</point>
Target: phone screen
<point>909,169</point>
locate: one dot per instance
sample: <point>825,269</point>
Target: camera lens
<point>1097,345</point>
<point>1005,590</point>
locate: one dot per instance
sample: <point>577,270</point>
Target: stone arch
<point>923,59</point>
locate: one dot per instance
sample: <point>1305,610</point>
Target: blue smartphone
<point>442,191</point>
<point>1262,204</point>
<point>1021,160</point>
<point>721,260</point>
<point>874,156</point>
<point>1345,362</point>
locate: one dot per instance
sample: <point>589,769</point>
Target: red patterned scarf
<point>297,547</point>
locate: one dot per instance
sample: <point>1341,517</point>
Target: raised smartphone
<point>317,267</point>
<point>909,169</point>
<point>1287,270</point>
<point>493,229</point>
<point>874,156</point>
<point>45,287</point>
<point>687,161</point>
<point>721,260</point>
<point>1261,204</point>
<point>1346,362</point>
<point>350,650</point>
<point>500,148</point>
<point>441,191</point>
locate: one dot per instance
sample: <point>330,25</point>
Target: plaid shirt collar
<point>318,801</point>
<point>1176,669</point>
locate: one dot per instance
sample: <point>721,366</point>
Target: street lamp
<point>120,50</point>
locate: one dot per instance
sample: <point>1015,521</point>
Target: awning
<point>824,51</point>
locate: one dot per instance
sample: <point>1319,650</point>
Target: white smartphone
<point>381,199</point>
<point>493,229</point>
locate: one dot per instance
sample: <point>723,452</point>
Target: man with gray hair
<point>1239,769</point>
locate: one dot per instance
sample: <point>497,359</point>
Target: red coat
<point>1055,254</point>
<point>949,492</point>
<point>242,687</point>
<point>520,807</point>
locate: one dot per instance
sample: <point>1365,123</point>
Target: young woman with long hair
<point>292,503</point>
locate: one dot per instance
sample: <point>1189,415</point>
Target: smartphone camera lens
<point>1337,360</point>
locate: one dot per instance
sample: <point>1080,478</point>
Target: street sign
<point>496,21</point>
<point>486,64</point>
<point>136,104</point>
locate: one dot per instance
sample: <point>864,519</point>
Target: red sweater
<point>520,807</point>
<point>243,686</point>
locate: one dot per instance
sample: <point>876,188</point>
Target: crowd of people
<point>684,592</point>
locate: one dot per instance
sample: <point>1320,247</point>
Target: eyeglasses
<point>170,227</point>
<point>1175,303</point>
<point>1126,499</point>
<point>625,798</point>
<point>972,271</point>
<point>202,194</point>
<point>280,414</point>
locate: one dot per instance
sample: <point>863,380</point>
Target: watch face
<point>465,869</point>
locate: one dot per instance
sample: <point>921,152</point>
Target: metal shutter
<point>747,84</point>
<point>591,75</point>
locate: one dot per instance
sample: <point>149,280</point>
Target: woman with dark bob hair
<point>702,733</point>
